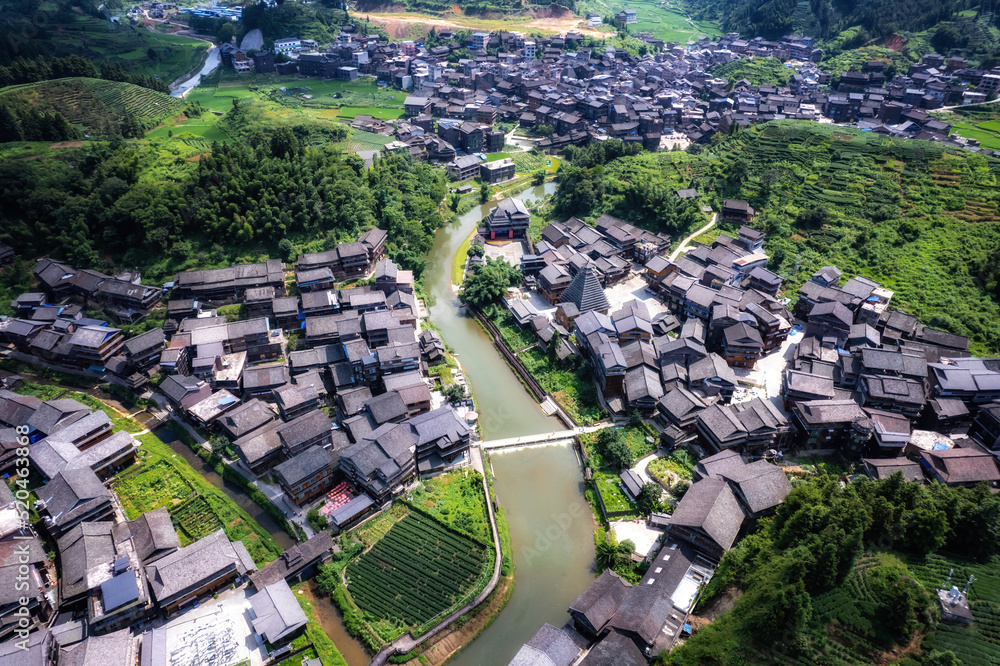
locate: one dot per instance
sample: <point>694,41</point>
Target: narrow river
<point>211,63</point>
<point>541,489</point>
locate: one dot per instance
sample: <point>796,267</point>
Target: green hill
<point>99,106</point>
<point>60,29</point>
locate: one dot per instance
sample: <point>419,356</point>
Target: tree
<point>538,176</point>
<point>649,498</point>
<point>607,552</point>
<point>546,130</point>
<point>489,282</point>
<point>635,419</point>
<point>286,249</point>
<point>454,392</point>
<point>219,444</point>
<point>476,250</point>
<point>613,447</point>
<point>484,193</point>
<point>455,201</point>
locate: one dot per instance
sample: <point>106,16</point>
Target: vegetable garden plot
<point>419,569</point>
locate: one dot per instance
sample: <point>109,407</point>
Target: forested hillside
<point>841,575</point>
<point>35,36</point>
<point>917,217</point>
<point>161,208</point>
<point>826,18</point>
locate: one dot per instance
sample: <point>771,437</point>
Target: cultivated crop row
<point>417,570</point>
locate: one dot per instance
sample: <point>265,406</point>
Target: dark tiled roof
<point>293,559</point>
<point>711,506</point>
<point>152,533</point>
<point>297,468</point>
<point>614,650</point>
<point>601,600</point>
<point>962,465</point>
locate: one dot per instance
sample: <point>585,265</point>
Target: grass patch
<point>162,478</point>
<point>458,261</point>
<point>667,22</point>
<point>456,499</point>
<point>157,484</point>
<point>615,498</point>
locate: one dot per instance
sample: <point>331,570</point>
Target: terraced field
<point>418,570</point>
<point>93,102</point>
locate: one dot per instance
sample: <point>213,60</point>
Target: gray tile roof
<point>73,493</point>
<point>822,412</point>
<point>293,559</point>
<point>304,428</point>
<point>614,650</point>
<point>438,424</point>
<point>278,614</point>
<point>710,505</point>
<point>119,647</point>
<point>265,377</point>
<point>144,341</point>
<point>195,565</point>
<point>52,415</point>
<point>601,600</point>
<point>550,646</point>
<point>298,468</point>
<point>585,292</point>
<point>86,553</point>
<point>153,534</point>
<point>246,418</point>
<point>761,485</point>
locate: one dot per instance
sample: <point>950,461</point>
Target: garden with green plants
<point>849,574</point>
<point>442,560</point>
<point>162,479</point>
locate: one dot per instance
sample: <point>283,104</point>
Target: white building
<point>289,45</point>
<point>529,50</point>
<point>480,40</point>
<point>594,20</point>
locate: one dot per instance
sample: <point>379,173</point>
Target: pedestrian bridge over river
<point>556,437</point>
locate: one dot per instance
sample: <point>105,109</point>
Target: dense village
<point>321,390</point>
<point>326,395</point>
<point>568,93</point>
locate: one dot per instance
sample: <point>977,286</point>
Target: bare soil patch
<point>66,144</point>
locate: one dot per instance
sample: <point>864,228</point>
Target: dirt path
<point>684,243</point>
<point>398,25</point>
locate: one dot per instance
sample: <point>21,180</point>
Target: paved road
<point>683,245</point>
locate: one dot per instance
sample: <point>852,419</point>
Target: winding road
<point>684,243</point>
